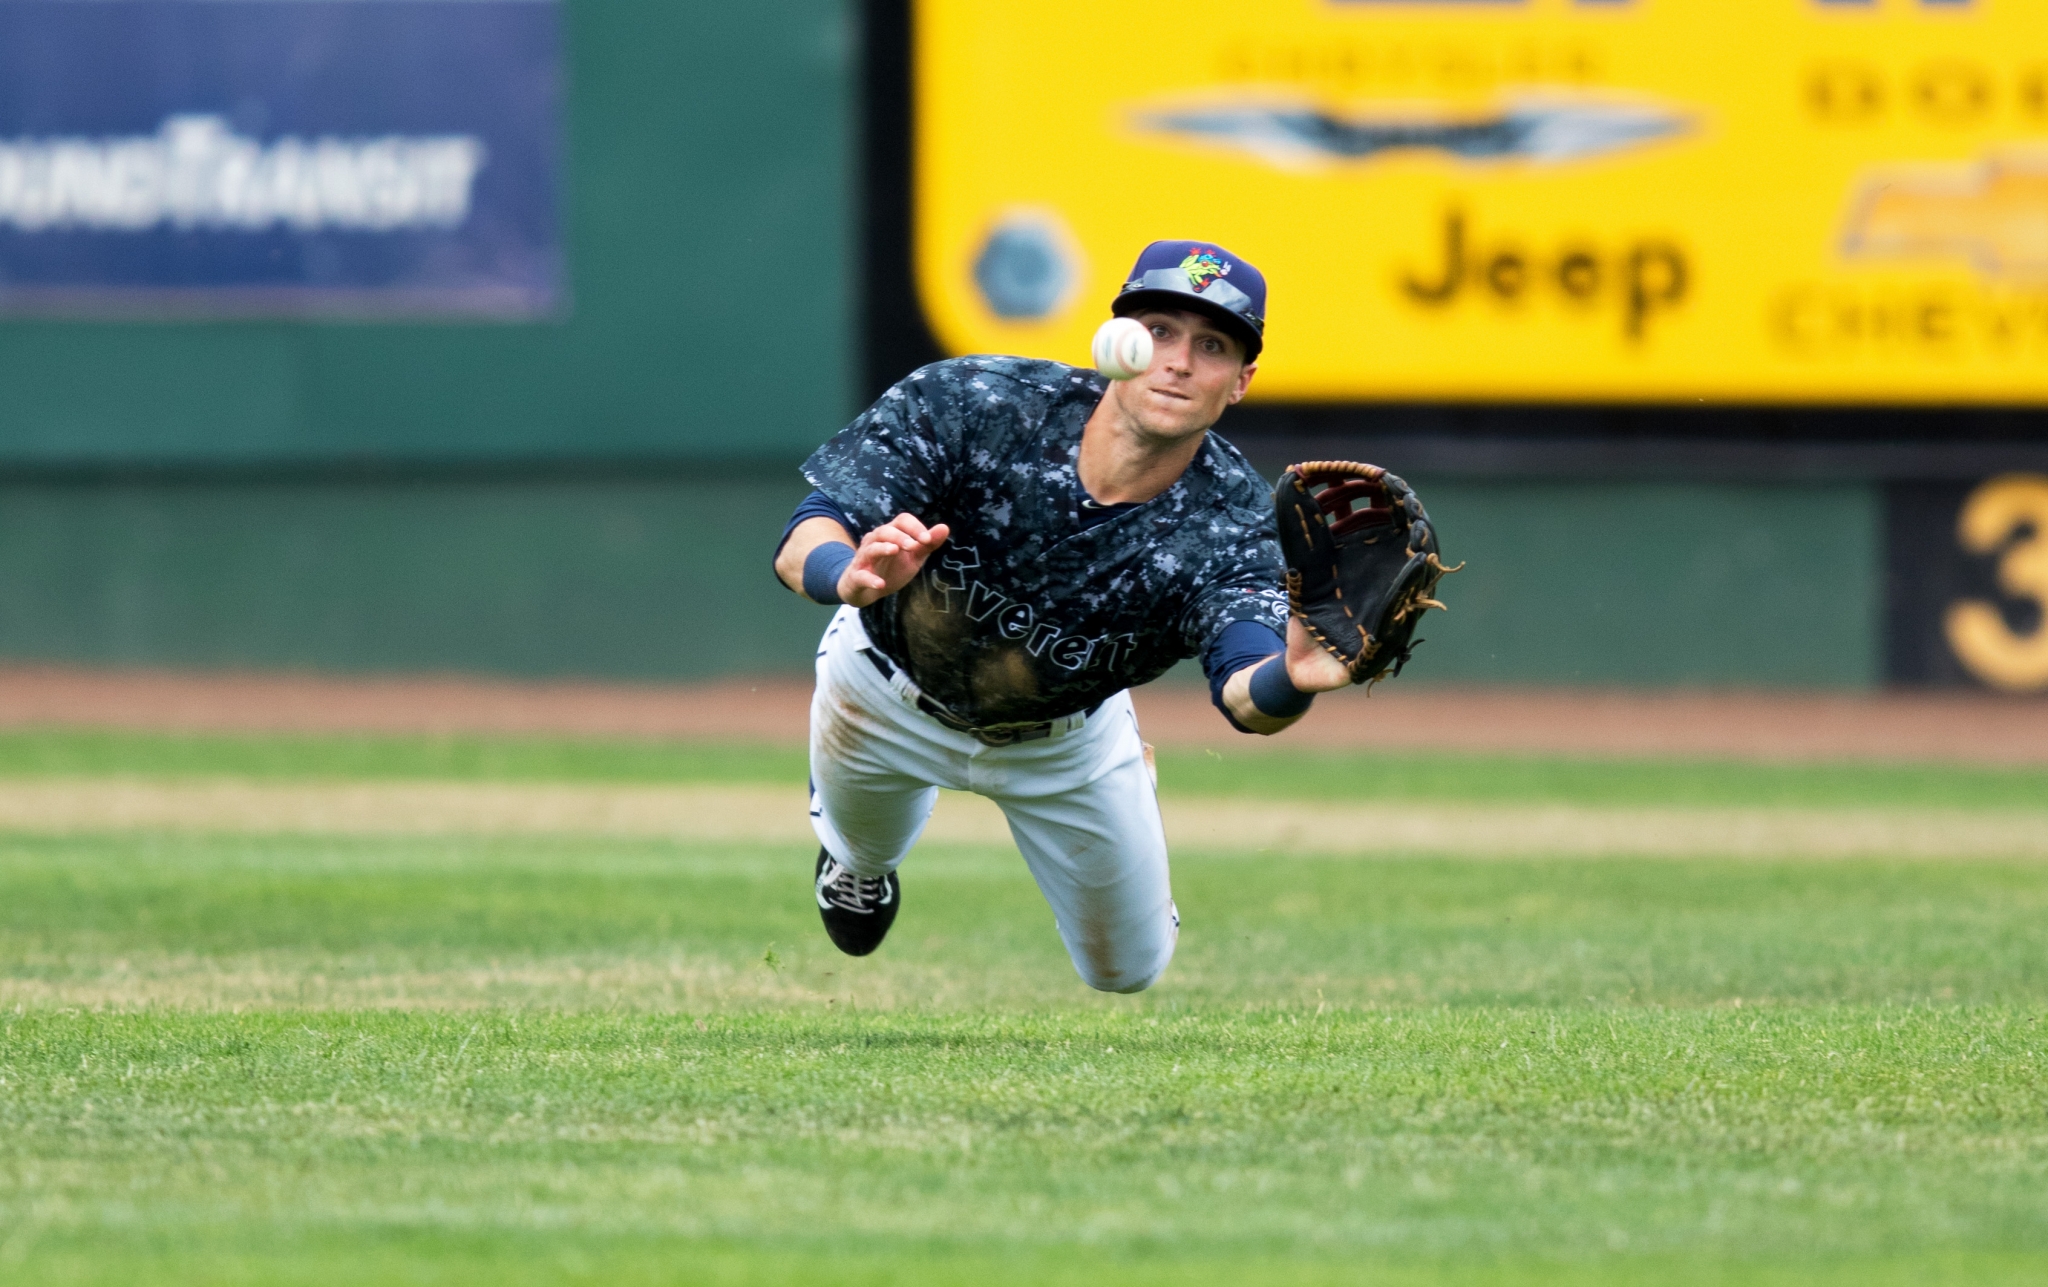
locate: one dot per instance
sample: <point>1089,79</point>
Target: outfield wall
<point>666,576</point>
<point>595,493</point>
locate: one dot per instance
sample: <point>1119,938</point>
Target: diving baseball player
<point>1016,543</point>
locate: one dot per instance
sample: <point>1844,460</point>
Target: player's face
<point>1197,370</point>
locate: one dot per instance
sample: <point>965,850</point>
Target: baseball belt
<point>986,734</point>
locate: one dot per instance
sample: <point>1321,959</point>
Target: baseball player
<point>1016,543</point>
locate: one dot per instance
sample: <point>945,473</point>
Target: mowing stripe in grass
<point>210,922</point>
<point>255,1254</point>
<point>778,815</point>
<point>95,753</point>
<point>1265,770</point>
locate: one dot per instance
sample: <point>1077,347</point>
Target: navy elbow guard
<point>1275,694</point>
<point>822,569</point>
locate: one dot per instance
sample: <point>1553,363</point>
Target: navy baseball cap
<point>1202,277</point>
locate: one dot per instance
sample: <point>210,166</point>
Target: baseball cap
<point>1202,277</point>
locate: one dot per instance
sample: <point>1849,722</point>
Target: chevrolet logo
<point>1995,214</point>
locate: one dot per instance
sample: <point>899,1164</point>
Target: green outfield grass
<point>512,1061</point>
<point>1235,766</point>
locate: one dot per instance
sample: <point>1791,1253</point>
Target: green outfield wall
<point>1655,583</point>
<point>666,577</point>
<point>611,577</point>
<point>596,494</point>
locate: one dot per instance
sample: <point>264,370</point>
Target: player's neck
<point>1121,464</point>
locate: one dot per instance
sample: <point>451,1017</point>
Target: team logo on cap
<point>1202,266</point>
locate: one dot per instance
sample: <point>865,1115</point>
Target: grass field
<point>515,1059</point>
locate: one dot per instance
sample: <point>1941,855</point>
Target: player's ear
<point>1244,381</point>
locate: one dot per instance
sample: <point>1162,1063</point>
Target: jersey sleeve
<point>1244,585</point>
<point>815,505</point>
<point>1215,611</point>
<point>1247,589</point>
<point>896,457</point>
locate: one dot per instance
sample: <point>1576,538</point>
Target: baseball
<point>1123,348</point>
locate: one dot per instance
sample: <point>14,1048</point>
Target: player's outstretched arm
<point>1309,669</point>
<point>803,541</point>
<point>883,562</point>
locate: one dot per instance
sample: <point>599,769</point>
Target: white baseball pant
<point>1081,805</point>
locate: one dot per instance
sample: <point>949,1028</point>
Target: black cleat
<point>857,911</point>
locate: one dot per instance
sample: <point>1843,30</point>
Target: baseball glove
<point>1359,579</point>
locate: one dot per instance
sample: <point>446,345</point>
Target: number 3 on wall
<point>2010,509</point>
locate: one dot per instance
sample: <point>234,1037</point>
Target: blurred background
<point>409,336</point>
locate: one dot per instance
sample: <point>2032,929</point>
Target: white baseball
<point>1123,348</point>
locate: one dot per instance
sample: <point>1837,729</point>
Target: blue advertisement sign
<point>280,157</point>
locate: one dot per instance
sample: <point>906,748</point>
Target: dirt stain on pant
<point>842,726</point>
<point>1096,947</point>
<point>1102,961</point>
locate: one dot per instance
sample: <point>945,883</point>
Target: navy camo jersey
<point>1027,613</point>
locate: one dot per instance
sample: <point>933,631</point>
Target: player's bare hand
<point>1310,667</point>
<point>888,557</point>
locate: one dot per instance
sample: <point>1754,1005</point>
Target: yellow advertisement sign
<point>1722,200</point>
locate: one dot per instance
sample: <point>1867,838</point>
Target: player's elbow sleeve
<point>1240,644</point>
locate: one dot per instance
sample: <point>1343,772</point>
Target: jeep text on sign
<point>1732,200</point>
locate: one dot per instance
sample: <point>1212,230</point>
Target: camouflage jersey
<point>1027,612</point>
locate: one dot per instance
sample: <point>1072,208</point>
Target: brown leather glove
<point>1359,579</point>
